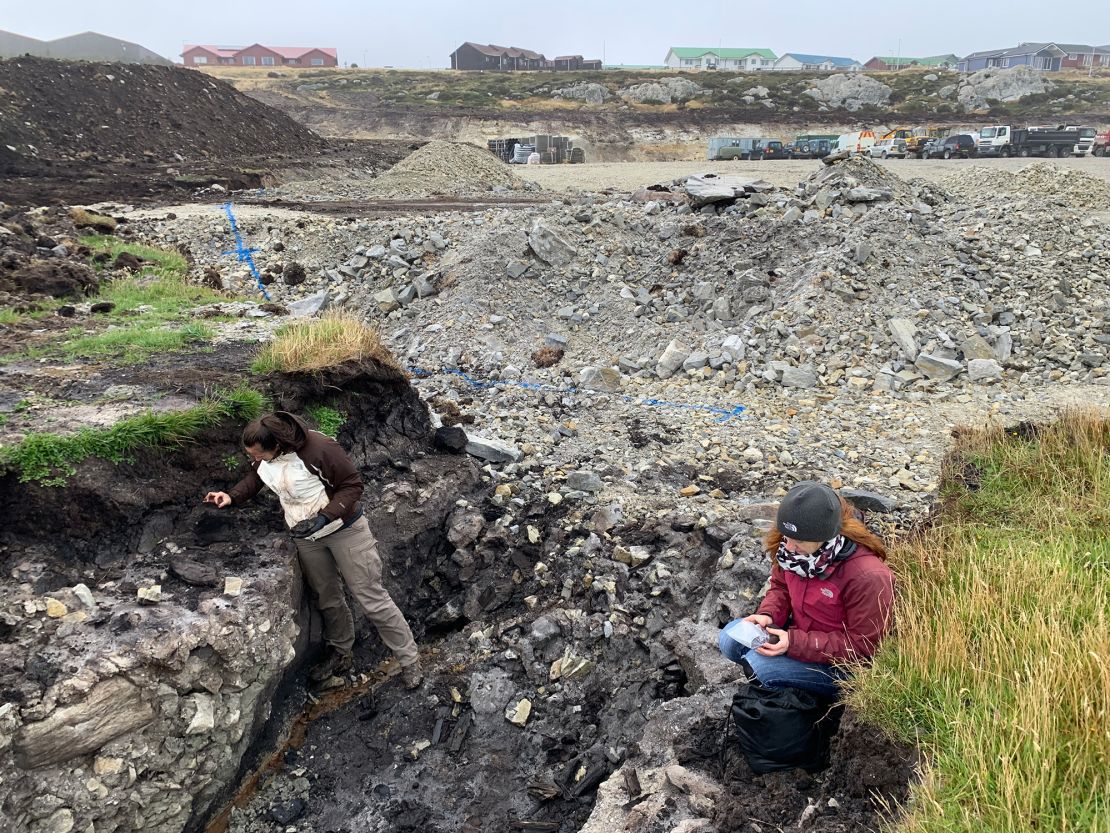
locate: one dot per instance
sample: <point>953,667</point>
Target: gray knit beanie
<point>809,512</point>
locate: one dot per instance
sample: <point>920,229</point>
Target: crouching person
<point>830,596</point>
<point>320,491</point>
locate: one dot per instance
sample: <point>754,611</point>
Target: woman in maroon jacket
<point>830,598</point>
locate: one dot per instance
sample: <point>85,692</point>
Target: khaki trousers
<point>352,554</point>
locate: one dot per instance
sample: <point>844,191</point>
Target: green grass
<point>1000,665</point>
<point>51,459</point>
<point>164,261</point>
<point>328,420</point>
<point>125,345</point>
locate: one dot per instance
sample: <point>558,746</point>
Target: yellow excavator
<point>917,137</point>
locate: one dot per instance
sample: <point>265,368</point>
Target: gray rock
<point>549,246</point>
<point>671,360</point>
<point>600,379</point>
<point>584,481</point>
<point>587,92</point>
<point>309,306</point>
<point>977,347</point>
<point>424,285</point>
<point>984,370</point>
<point>407,295</point>
<point>799,377</point>
<point>665,91</point>
<point>851,91</point>
<point>937,368</point>
<point>516,268</point>
<point>465,527</point>
<point>112,708</point>
<point>386,299</point>
<point>870,501</point>
<point>902,330</point>
<point>492,450</point>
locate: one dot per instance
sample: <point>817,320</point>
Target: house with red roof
<point>257,55</point>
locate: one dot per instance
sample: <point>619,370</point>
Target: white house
<point>737,60</point>
<point>797,62</point>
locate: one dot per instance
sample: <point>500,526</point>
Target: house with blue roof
<point>797,62</point>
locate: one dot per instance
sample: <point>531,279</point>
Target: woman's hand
<point>761,619</point>
<point>221,499</point>
<point>769,649</point>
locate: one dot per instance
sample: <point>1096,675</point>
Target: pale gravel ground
<point>628,176</point>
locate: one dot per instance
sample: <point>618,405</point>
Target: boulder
<point>851,92</point>
<point>113,708</point>
<point>548,246</point>
<point>937,368</point>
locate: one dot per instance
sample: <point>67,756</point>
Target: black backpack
<point>783,728</point>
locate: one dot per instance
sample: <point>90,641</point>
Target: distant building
<point>880,63</point>
<point>570,63</point>
<point>797,62</point>
<point>87,46</point>
<point>1049,57</point>
<point>488,56</point>
<point>257,55</point>
<point>694,57</point>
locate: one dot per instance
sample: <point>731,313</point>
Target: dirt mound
<point>76,110</point>
<point>447,168</point>
<point>1042,180</point>
<point>41,258</point>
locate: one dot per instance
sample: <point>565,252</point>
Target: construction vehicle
<point>920,136</point>
<point>1006,140</point>
<point>1101,144</point>
<point>898,133</point>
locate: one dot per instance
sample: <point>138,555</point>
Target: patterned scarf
<point>817,565</point>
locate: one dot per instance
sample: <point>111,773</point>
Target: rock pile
<point>447,168</point>
<point>855,280</point>
<point>1040,182</point>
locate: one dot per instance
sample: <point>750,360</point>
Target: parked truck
<point>1101,144</point>
<point>1006,140</point>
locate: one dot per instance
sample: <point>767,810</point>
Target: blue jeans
<point>785,672</point>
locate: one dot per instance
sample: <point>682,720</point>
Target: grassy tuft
<point>1000,667</point>
<point>328,420</point>
<point>322,342</point>
<point>84,218</point>
<point>52,458</point>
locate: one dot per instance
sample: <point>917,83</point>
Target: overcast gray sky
<point>423,33</point>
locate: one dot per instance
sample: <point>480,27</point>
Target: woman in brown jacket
<point>319,487</point>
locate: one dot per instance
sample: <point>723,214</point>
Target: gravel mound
<point>447,168</point>
<point>1040,180</point>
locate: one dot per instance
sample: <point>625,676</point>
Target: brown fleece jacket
<point>325,458</point>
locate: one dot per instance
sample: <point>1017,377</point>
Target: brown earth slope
<point>82,132</point>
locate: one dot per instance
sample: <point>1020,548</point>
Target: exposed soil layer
<point>84,132</point>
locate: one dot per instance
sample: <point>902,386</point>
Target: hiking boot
<point>334,664</point>
<point>412,675</point>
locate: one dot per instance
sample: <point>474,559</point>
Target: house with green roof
<point>694,57</point>
<point>881,62</point>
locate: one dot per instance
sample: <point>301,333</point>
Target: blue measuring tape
<point>242,252</point>
<point>724,413</point>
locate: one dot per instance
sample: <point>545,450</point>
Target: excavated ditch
<point>563,687</point>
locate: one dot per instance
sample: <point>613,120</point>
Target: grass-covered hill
<point>914,93</point>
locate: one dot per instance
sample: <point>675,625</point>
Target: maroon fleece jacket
<point>839,617</point>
